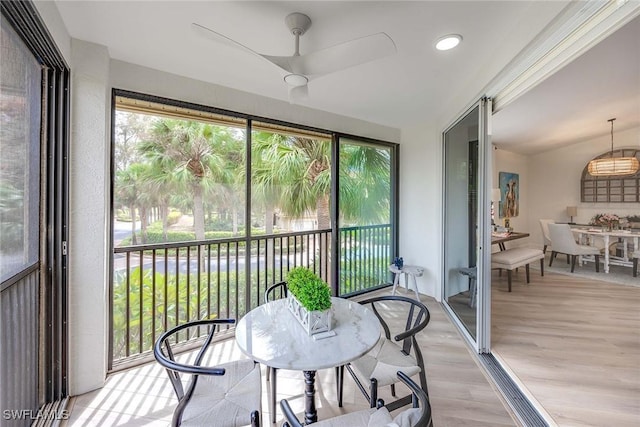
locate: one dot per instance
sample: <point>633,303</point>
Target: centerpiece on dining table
<point>309,299</point>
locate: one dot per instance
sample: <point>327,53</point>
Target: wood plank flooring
<point>574,344</point>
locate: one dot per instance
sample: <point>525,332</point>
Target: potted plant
<point>309,299</point>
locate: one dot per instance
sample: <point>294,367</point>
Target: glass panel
<point>365,215</point>
<point>20,101</point>
<point>461,218</point>
<point>177,179</point>
<point>290,180</point>
<point>291,200</point>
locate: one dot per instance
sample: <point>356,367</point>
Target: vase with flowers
<point>606,220</point>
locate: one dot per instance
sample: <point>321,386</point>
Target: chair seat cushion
<point>587,250</point>
<point>383,363</point>
<point>516,257</point>
<point>366,418</point>
<point>225,400</point>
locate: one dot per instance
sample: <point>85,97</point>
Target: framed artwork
<point>510,194</point>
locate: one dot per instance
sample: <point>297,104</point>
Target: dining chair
<point>225,395</point>
<point>418,416</point>
<point>272,293</point>
<point>546,238</point>
<point>562,241</point>
<point>379,366</point>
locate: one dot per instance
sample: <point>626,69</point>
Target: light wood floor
<point>574,344</point>
<point>460,393</point>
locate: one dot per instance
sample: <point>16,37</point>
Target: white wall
<point>420,200</point>
<point>89,159</point>
<point>153,82</point>
<point>550,182</point>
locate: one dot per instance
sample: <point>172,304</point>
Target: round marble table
<point>271,335</point>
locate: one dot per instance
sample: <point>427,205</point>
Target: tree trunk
<point>234,220</point>
<point>198,211</point>
<point>143,224</point>
<point>268,229</point>
<point>132,211</point>
<point>164,212</point>
<point>323,216</point>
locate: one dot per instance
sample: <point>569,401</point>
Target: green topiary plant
<point>310,290</point>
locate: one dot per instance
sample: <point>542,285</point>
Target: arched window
<point>611,189</point>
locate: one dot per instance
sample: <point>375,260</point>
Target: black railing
<point>156,287</point>
<point>365,255</point>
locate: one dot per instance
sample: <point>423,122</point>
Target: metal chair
<point>379,367</point>
<point>274,292</point>
<point>226,395</point>
<point>418,416</point>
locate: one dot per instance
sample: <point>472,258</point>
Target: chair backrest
<point>164,350</point>
<point>417,416</point>
<point>275,291</point>
<point>562,239</point>
<point>544,225</point>
<point>420,400</point>
<point>417,313</point>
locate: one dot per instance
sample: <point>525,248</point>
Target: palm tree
<point>184,151</point>
<point>365,185</point>
<point>128,193</point>
<point>300,169</point>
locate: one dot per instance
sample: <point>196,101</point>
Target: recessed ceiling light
<point>448,42</point>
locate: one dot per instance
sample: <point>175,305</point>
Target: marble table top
<point>271,335</point>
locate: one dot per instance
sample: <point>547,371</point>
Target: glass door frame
<point>483,312</point>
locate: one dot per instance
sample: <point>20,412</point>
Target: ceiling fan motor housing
<point>298,23</point>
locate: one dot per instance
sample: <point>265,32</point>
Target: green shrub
<point>312,292</point>
<point>173,217</point>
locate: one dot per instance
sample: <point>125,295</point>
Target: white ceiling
<point>574,104</point>
<point>417,84</point>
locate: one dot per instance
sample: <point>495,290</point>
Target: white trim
<point>577,28</point>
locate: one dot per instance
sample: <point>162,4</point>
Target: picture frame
<point>509,184</point>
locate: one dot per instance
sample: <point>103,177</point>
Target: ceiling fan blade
<point>298,93</point>
<point>221,38</point>
<point>344,55</point>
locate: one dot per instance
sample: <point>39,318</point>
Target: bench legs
<point>527,273</point>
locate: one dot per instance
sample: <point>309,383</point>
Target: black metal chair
<point>378,367</point>
<point>418,416</point>
<point>226,395</point>
<point>272,293</point>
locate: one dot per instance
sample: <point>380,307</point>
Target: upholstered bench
<point>511,259</point>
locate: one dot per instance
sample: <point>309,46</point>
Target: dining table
<point>500,238</point>
<point>589,235</point>
<point>271,335</point>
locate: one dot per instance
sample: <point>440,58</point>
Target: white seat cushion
<point>225,400</point>
<point>516,257</point>
<point>383,363</point>
<point>374,418</point>
<point>366,418</point>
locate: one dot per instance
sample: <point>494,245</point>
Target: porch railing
<point>156,287</point>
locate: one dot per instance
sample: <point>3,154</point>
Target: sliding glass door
<point>466,222</point>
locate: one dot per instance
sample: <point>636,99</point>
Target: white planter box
<point>312,321</point>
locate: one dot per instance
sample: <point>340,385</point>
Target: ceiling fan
<point>298,70</point>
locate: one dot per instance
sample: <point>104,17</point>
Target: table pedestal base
<point>310,413</point>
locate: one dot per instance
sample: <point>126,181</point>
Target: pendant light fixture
<point>613,165</point>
